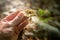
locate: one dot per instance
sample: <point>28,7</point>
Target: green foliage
<point>40,12</point>
<point>47,19</point>
<point>44,15</point>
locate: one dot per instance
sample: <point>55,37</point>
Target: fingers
<point>17,19</point>
<point>25,18</point>
<point>11,16</point>
<point>20,26</point>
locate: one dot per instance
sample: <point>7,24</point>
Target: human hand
<point>12,25</point>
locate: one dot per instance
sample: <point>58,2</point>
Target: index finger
<point>11,16</point>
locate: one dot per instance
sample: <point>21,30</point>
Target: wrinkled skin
<point>11,25</point>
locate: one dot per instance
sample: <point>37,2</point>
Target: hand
<point>12,25</point>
